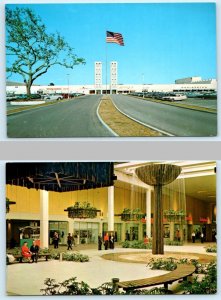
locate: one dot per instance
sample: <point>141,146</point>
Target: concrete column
<point>181,233</point>
<point>110,217</point>
<point>148,213</point>
<point>140,232</point>
<point>100,227</point>
<point>70,226</point>
<point>44,223</point>
<point>172,231</point>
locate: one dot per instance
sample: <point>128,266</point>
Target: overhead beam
<point>58,180</point>
<point>131,180</point>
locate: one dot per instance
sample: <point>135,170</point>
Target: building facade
<point>113,77</point>
<point>99,88</point>
<point>98,77</point>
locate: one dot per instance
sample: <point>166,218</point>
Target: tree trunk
<point>28,89</point>
<point>158,236</point>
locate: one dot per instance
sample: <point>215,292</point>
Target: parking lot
<point>208,103</point>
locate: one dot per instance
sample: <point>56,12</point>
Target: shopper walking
<point>100,242</point>
<point>69,241</point>
<point>55,240</point>
<point>193,236</point>
<point>202,237</point>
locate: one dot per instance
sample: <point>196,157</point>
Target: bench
<point>181,272</point>
<point>19,257</point>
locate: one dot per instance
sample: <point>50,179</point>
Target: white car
<point>175,97</point>
<point>53,97</point>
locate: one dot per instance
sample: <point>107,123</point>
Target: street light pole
<point>68,86</point>
<point>143,83</point>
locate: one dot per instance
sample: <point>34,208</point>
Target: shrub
<point>208,285</point>
<point>15,251</point>
<point>173,243</point>
<point>211,249</point>
<point>136,245</point>
<point>75,256</point>
<point>201,268</point>
<point>44,250</point>
<point>125,244</point>
<point>67,287</point>
<point>162,264</point>
<point>72,287</point>
<point>154,291</point>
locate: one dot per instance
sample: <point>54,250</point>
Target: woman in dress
<point>25,252</point>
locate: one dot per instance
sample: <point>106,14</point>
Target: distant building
<point>194,80</point>
<point>189,84</point>
<point>113,77</point>
<point>98,76</point>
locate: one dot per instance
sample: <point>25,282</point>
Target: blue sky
<point>163,41</point>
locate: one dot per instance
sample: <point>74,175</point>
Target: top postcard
<point>111,70</point>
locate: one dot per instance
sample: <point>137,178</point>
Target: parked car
<point>174,97</point>
<point>53,97</point>
<point>10,97</point>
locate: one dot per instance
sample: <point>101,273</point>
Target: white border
<point>161,297</point>
<point>3,129</point>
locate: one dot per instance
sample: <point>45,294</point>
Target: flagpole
<point>106,67</point>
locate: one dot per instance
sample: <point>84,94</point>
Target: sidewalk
<point>28,279</point>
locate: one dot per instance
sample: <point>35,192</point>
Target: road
<point>78,118</point>
<point>74,118</point>
<point>174,120</point>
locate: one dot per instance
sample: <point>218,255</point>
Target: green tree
<point>34,50</point>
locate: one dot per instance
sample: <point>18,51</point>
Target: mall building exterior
<point>114,87</point>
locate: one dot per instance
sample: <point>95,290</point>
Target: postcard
<point>78,70</point>
<point>111,228</point>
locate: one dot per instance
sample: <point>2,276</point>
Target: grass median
<point>121,124</point>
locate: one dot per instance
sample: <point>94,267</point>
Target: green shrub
<point>72,287</point>
<point>15,251</point>
<point>208,285</point>
<point>154,291</point>
<point>136,245</point>
<point>45,250</point>
<point>75,256</point>
<point>172,243</point>
<point>162,264</point>
<point>67,287</point>
<point>211,249</point>
<point>201,268</point>
<point>125,244</point>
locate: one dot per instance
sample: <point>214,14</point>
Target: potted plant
<point>131,215</point>
<point>170,215</point>
<point>180,215</point>
<point>82,210</point>
<point>8,203</point>
<point>174,215</point>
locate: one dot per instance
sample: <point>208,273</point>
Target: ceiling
<point>60,176</point>
<point>199,177</point>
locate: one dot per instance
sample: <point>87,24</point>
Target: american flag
<point>113,37</point>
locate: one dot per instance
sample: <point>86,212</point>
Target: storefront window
<point>61,228</point>
<point>86,233</point>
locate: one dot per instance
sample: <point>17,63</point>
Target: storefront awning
<point>61,176</point>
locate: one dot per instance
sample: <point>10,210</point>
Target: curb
<point>102,122</point>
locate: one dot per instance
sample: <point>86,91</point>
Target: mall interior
<point>40,196</point>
